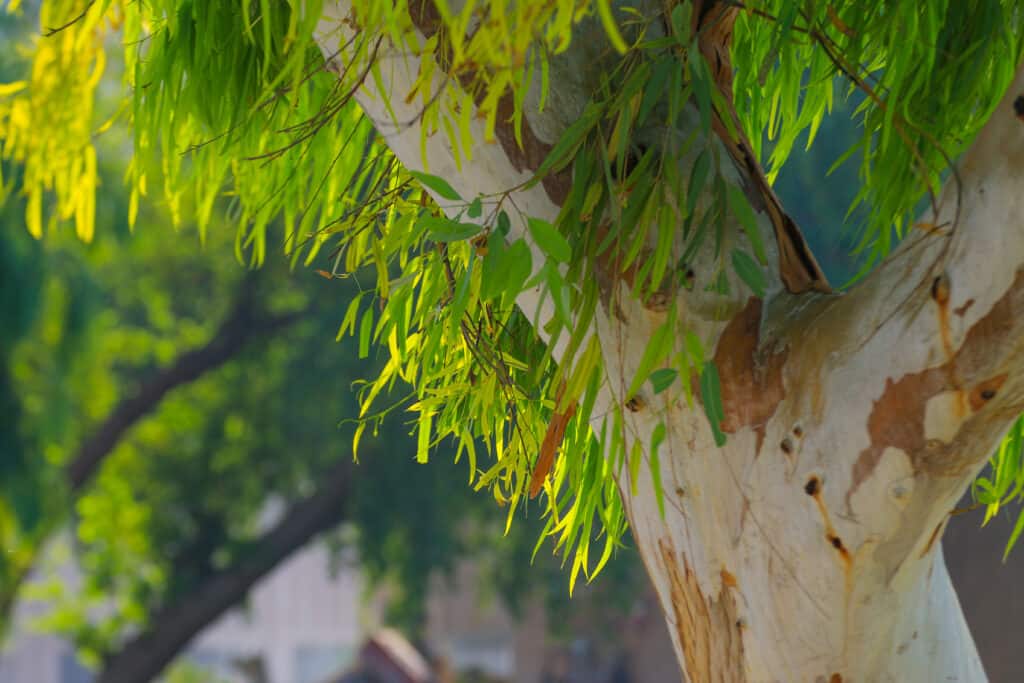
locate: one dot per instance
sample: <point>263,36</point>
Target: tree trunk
<point>806,548</point>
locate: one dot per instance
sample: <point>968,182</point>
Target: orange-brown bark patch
<point>552,441</point>
<point>897,417</point>
<point>751,381</point>
<point>709,629</point>
<point>813,489</point>
<point>940,293</point>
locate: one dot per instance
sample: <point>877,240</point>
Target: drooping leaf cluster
<point>928,76</point>
<point>1003,482</point>
<point>232,100</point>
<point>186,492</point>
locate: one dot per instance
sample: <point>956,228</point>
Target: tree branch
<point>240,327</point>
<point>143,657</point>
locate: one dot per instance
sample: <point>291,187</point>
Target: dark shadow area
<point>989,590</point>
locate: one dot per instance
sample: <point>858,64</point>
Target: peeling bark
<point>709,627</point>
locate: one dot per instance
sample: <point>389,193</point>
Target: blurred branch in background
<point>144,656</point>
<point>244,325</point>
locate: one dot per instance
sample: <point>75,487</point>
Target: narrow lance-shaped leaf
<point>438,185</point>
<point>749,272</point>
<point>446,230</point>
<point>711,397</point>
<point>657,438</point>
<point>550,241</point>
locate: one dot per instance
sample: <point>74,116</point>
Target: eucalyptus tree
<point>578,262</point>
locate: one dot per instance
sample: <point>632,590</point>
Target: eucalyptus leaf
<point>749,271</point>
<point>438,185</point>
<point>711,397</point>
<point>448,230</point>
<point>550,241</point>
<point>662,378</point>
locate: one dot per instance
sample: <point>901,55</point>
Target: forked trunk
<point>808,547</point>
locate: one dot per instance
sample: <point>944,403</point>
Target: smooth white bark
<point>806,549</point>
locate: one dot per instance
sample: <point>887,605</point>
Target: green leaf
<point>446,230</point>
<point>505,268</point>
<point>681,23</point>
<point>662,378</point>
<point>1017,529</point>
<point>549,240</point>
<point>494,278</point>
<point>439,186</point>
<point>604,10</point>
<point>503,224</point>
<point>656,440</point>
<point>476,208</point>
<point>740,208</point>
<point>694,348</point>
<point>560,296</point>
<point>365,330</point>
<point>520,265</point>
<point>749,272</point>
<point>659,345</point>
<point>711,397</point>
<point>702,85</point>
<point>655,86</point>
<point>423,438</point>
<point>698,176</point>
<point>461,299</point>
<point>570,139</point>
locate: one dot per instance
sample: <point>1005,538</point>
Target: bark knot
<point>812,486</point>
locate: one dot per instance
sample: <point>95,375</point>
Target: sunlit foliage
<point>231,99</point>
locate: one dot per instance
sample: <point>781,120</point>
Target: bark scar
<point>751,381</point>
<point>897,418</point>
<point>709,628</point>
